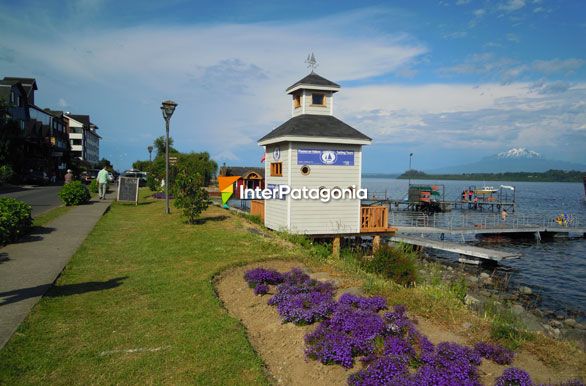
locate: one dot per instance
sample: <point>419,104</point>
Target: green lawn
<point>142,281</point>
<point>50,215</point>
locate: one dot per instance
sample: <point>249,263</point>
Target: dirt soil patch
<point>281,346</point>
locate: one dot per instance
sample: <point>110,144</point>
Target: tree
<point>159,144</point>
<point>200,163</point>
<point>190,196</point>
<point>104,162</point>
<point>143,166</point>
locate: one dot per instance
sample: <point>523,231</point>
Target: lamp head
<point>168,107</point>
<point>150,148</point>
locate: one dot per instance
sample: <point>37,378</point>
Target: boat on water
<point>483,190</point>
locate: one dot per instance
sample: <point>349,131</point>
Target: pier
<point>464,250</point>
<point>423,230</point>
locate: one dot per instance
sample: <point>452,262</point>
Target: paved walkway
<point>29,268</point>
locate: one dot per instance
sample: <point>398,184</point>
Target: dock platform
<point>462,249</point>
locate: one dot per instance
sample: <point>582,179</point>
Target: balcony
<point>374,219</point>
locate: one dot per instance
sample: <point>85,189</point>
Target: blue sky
<point>450,80</point>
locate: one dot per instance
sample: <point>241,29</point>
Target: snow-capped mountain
<point>518,152</point>
<point>517,159</point>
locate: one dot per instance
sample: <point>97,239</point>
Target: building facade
<point>39,141</point>
<point>313,150</point>
<point>84,139</point>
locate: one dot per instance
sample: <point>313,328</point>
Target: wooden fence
<point>374,219</point>
<point>257,208</point>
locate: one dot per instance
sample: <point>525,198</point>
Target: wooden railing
<point>257,208</point>
<point>374,219</point>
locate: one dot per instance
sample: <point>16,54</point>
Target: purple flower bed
<point>302,300</point>
<point>374,304</point>
<point>514,377</point>
<point>393,351</point>
<point>349,332</point>
<point>257,276</point>
<point>161,196</point>
<point>495,353</point>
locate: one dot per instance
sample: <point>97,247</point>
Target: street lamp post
<point>167,107</point>
<point>409,171</point>
<point>150,149</point>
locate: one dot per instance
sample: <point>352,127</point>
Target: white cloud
<point>558,65</point>
<point>479,12</point>
<point>511,5</point>
<point>484,117</point>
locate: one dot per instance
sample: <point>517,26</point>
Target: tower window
<point>318,99</point>
<point>296,101</point>
<point>276,169</point>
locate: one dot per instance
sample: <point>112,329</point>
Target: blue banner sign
<point>325,157</point>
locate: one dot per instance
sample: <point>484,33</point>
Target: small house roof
<point>314,81</point>
<point>309,127</point>
<point>243,171</point>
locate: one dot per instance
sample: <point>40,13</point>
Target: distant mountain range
<point>517,159</point>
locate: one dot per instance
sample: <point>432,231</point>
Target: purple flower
<point>306,307</point>
<point>257,276</point>
<point>514,377</point>
<point>261,289</point>
<point>384,371</point>
<point>374,304</point>
<point>452,364</point>
<point>349,332</point>
<point>398,324</point>
<point>395,346</point>
<point>302,300</point>
<point>495,352</point>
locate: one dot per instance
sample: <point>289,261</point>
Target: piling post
<point>375,244</point>
<point>336,246</point>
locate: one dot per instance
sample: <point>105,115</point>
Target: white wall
<point>336,216</point>
<point>276,214</point>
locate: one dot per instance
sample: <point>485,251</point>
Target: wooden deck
<point>462,249</point>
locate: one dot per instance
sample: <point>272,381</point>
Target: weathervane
<point>311,62</point>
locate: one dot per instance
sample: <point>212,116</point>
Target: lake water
<point>556,269</point>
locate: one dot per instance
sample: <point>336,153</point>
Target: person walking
<point>504,215</point>
<point>68,177</point>
<point>102,182</point>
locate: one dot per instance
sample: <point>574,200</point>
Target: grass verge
<point>136,305</point>
<point>50,215</point>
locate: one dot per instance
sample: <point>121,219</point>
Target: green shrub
<point>93,187</point>
<point>153,183</point>
<point>398,263</point>
<point>15,219</point>
<point>459,288</point>
<point>74,193</point>
<point>5,173</point>
<point>190,194</point>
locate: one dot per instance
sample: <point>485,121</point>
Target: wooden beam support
<point>375,243</point>
<point>336,247</point>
